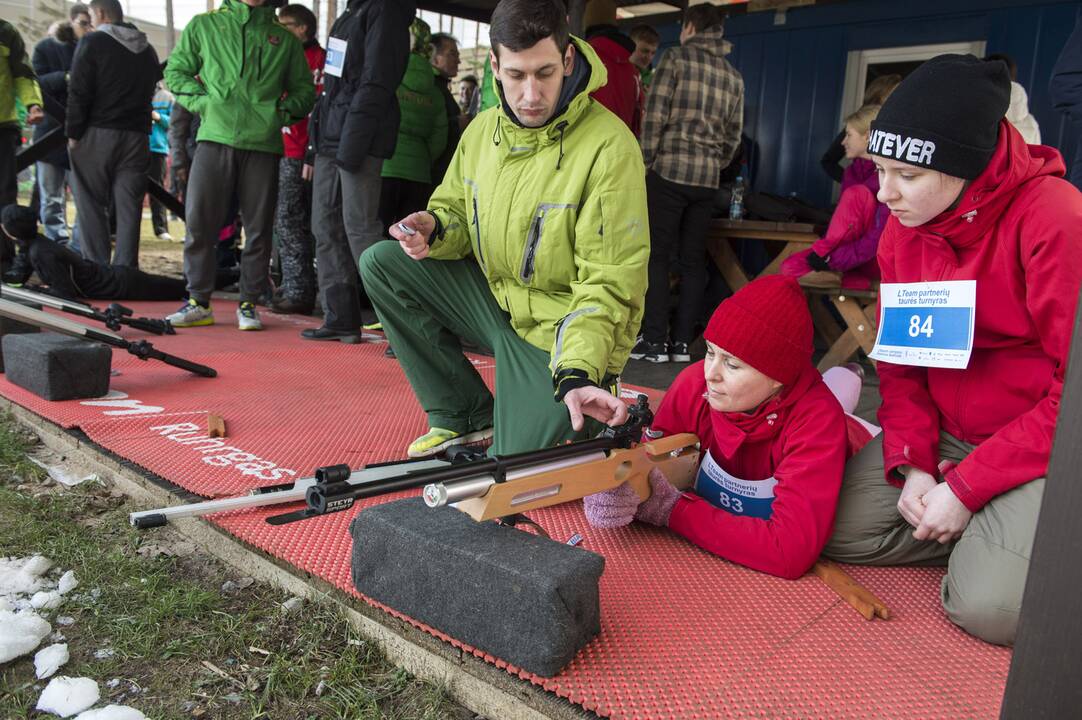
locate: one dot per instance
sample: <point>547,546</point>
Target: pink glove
<point>611,508</point>
<point>658,507</point>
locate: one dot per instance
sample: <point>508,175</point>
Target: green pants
<point>986,567</point>
<point>425,307</point>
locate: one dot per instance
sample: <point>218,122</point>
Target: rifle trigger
<point>520,519</point>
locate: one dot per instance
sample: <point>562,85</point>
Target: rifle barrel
<point>438,494</point>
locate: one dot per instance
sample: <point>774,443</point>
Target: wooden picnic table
<point>793,238</point>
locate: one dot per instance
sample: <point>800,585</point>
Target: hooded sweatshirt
<point>785,460</point>
<point>555,217</point>
<point>623,93</point>
<point>1014,231</point>
<point>112,82</point>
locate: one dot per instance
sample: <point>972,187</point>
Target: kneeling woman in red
<point>774,440</point>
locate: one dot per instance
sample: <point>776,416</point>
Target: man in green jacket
<point>535,246</point>
<point>246,77</point>
<point>17,79</point>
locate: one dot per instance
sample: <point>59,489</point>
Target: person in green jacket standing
<point>422,134</point>
<point>535,246</point>
<point>246,77</point>
<point>17,79</point>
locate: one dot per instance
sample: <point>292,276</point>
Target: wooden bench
<point>857,308</point>
<point>793,237</point>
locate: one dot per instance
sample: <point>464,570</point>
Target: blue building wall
<point>794,74</point>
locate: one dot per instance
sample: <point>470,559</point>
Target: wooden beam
<point>1043,680</point>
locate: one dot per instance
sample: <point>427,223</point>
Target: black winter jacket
<point>52,56</point>
<point>357,115</point>
<point>112,82</point>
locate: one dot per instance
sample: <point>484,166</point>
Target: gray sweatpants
<point>345,222</point>
<point>110,165</point>
<point>218,171</point>
<point>986,567</point>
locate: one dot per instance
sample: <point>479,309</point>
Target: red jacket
<point>622,94</point>
<point>799,438</point>
<point>295,137</point>
<point>1016,232</point>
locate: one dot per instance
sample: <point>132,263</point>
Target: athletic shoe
<point>165,236</point>
<point>436,440</point>
<point>679,352</point>
<point>191,314</point>
<point>377,325</point>
<point>650,352</point>
<point>248,317</point>
<point>349,337</point>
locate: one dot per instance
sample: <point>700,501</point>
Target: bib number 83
<point>731,503</point>
<point>916,327</point>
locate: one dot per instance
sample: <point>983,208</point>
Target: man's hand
<point>945,517</point>
<point>34,115</point>
<point>155,115</point>
<point>599,404</point>
<point>307,172</point>
<point>911,503</point>
<point>412,233</point>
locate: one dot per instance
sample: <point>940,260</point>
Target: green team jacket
<point>231,67</point>
<point>556,218</point>
<point>422,129</point>
<point>17,78</point>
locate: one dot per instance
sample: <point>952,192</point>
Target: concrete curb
<point>479,686</point>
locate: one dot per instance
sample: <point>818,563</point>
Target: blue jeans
<point>52,180</point>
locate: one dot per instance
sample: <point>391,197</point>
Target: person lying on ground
<point>957,475</point>
<point>773,435</point>
<point>70,276</point>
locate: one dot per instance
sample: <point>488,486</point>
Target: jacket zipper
<point>477,229</point>
<point>533,239</point>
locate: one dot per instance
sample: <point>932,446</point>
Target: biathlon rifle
<point>508,485</point>
<point>278,494</point>
<point>141,349</point>
<point>113,316</point>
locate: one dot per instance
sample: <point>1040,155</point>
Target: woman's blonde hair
<point>878,90</point>
<point>861,120</point>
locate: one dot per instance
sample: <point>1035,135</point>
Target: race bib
<point>752,498</point>
<point>926,324</point>
<point>336,56</point>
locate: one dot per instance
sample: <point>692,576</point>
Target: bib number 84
<point>916,327</point>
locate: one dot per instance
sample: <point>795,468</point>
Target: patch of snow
<point>37,565</point>
<point>112,712</point>
<point>22,576</point>
<point>49,660</point>
<point>104,653</point>
<point>20,633</point>
<point>65,696</point>
<point>67,583</point>
<point>293,604</point>
<point>62,475</point>
<point>50,600</point>
<point>65,620</point>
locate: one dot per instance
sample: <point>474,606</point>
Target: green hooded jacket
<point>556,218</point>
<point>17,78</point>
<point>243,74</point>
<point>422,129</point>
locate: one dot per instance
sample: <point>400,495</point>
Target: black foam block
<point>525,599</point>
<point>14,327</point>
<point>57,367</point>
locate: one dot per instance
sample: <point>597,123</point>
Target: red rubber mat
<point>684,634</point>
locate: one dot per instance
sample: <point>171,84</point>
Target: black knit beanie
<point>944,116</point>
<point>19,221</point>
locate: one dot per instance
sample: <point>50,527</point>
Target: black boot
<point>341,316</point>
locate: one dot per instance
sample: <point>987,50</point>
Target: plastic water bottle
<point>736,205</point>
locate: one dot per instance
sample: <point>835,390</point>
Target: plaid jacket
<point>694,112</point>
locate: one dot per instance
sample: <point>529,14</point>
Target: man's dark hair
<point>1012,68</point>
<point>76,10</point>
<point>302,16</point>
<point>111,9</point>
<point>703,17</point>
<point>520,24</point>
<point>439,41</point>
<point>645,33</point>
<point>470,79</point>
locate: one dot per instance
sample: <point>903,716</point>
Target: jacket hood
<point>710,40</point>
<point>1013,164</point>
<point>243,12</point>
<point>731,430</point>
<point>612,40</point>
<point>587,74</point>
<point>127,35</point>
<point>418,77</point>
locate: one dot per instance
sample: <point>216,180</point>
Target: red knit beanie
<point>766,324</point>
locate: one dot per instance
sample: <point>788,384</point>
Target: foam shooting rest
<point>57,367</point>
<point>525,599</point>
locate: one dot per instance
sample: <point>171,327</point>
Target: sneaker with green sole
<point>191,314</point>
<point>248,317</point>
<point>436,440</point>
